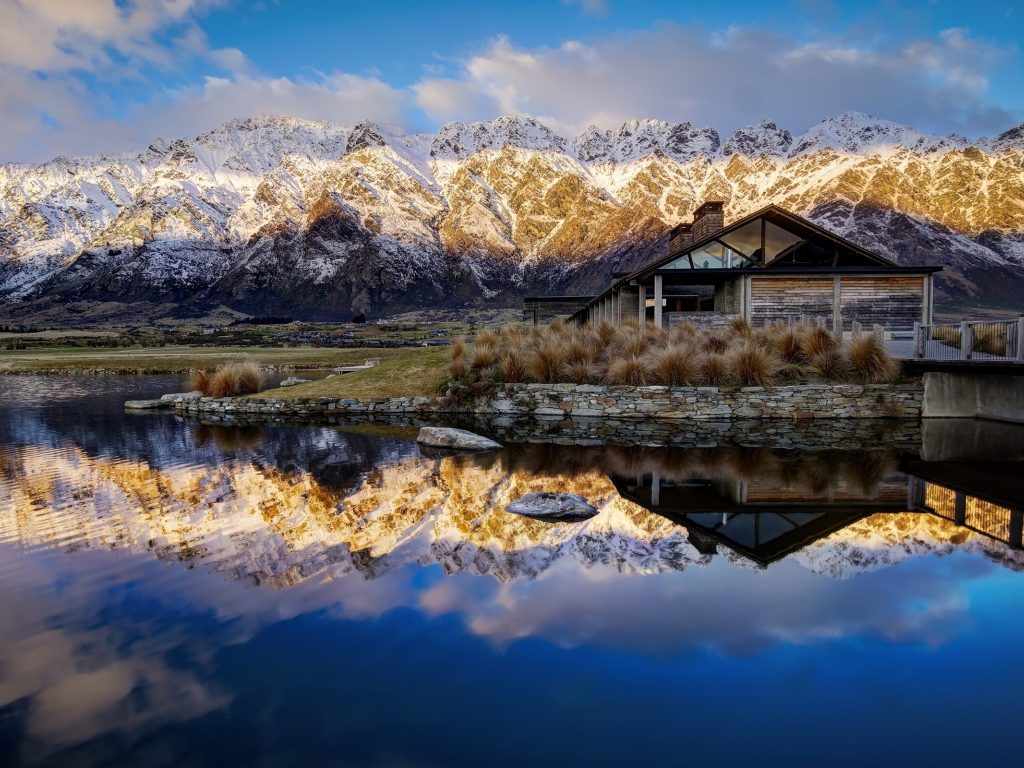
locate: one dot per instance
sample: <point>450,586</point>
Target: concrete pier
<point>974,395</point>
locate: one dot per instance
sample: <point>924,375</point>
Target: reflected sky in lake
<point>179,594</point>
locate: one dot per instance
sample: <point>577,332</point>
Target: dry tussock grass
<point>684,355</point>
<point>244,378</point>
<point>870,359</point>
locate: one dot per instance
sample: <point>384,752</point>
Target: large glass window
<point>746,239</point>
<point>711,256</point>
<point>683,262</point>
<point>776,240</point>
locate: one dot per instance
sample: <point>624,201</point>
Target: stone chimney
<point>680,237</point>
<point>708,219</point>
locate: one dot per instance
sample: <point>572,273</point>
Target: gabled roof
<point>798,225</point>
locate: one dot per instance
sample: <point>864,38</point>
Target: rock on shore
<point>553,507</point>
<point>458,439</point>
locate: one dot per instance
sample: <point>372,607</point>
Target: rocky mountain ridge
<point>320,220</point>
<point>252,521</point>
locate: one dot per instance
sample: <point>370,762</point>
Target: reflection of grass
<point>183,359</point>
<point>388,431</point>
<point>420,372</point>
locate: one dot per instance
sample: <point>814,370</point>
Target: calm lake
<point>180,594</point>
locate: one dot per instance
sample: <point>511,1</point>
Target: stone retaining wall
<point>575,401</point>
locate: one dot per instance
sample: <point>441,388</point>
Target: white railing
<point>979,340</point>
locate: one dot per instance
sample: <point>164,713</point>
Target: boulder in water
<point>553,507</point>
<point>147,405</point>
<point>457,439</point>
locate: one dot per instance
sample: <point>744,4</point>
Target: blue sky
<point>82,76</point>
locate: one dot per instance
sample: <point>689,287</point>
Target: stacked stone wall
<point>576,401</point>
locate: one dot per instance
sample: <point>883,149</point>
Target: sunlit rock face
<point>252,521</point>
<point>281,214</point>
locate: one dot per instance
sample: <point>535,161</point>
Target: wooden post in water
<point>960,509</point>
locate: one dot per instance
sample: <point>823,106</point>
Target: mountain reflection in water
<point>127,544</point>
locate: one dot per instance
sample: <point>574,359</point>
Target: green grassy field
<point>418,372</point>
<point>179,359</point>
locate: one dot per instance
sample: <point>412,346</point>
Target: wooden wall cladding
<point>892,302</point>
<point>774,299</point>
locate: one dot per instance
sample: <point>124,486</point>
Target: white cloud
<point>725,80</point>
<point>338,97</point>
<point>51,49</point>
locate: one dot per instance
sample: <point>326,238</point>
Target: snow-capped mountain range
<point>320,220</point>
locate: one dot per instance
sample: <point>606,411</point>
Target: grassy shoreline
<point>183,359</point>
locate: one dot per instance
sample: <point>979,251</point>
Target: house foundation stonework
<point>639,404</point>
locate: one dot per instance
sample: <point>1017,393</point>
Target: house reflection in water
<point>767,519</point>
<point>761,519</point>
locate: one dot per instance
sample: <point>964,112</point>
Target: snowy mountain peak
<point>1011,139</point>
<point>635,138</point>
<point>765,138</point>
<point>856,133</point>
<point>458,141</point>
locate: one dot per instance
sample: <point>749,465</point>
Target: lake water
<point>179,594</point>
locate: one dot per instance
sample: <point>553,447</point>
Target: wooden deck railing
<point>977,340</point>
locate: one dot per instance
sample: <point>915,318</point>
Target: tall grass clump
<point>513,365</point>
<point>750,365</point>
<point>630,370</point>
<point>200,381</point>
<point>871,360</point>
<point>244,378</point>
<point>674,365</point>
<point>638,354</point>
<point>249,379</point>
<point>223,383</point>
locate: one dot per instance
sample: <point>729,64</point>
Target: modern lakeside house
<point>768,267</point>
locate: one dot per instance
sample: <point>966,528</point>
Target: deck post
<point>879,331</point>
<point>917,342</point>
<point>856,328</point>
<point>658,279</point>
<point>837,307</point>
<point>655,488</point>
<point>1016,529</point>
<point>960,509</point>
<point>917,493</point>
<point>966,340</point>
<point>1020,339</point>
<point>643,304</point>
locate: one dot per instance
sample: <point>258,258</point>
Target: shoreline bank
<point>901,402</point>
